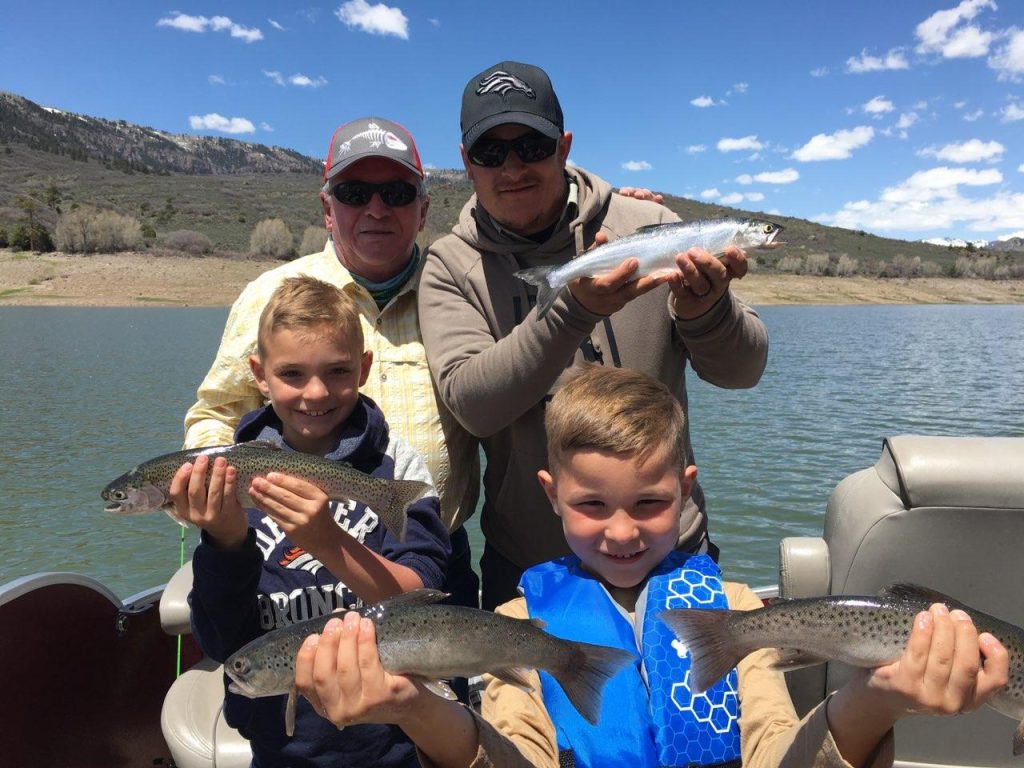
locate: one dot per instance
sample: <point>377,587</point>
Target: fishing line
<point>181,563</point>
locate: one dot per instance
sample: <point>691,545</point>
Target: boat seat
<point>943,512</point>
<point>191,718</point>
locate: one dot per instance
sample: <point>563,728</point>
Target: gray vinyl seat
<point>191,719</point>
<point>943,512</point>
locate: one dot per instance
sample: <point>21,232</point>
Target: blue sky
<point>904,118</point>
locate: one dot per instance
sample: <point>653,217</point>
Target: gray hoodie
<point>496,365</point>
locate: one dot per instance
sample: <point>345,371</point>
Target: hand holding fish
<point>300,509</point>
<point>703,279</point>
<point>608,293</point>
<point>340,673</point>
<point>215,509</point>
<point>947,668</point>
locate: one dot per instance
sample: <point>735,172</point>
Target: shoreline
<point>150,280</point>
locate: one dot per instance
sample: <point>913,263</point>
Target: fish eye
<point>240,665</point>
<point>769,228</point>
<point>120,495</point>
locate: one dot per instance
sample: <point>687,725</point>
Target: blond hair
<point>617,410</point>
<point>303,303</point>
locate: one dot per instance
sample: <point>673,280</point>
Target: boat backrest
<point>191,718</point>
<point>943,512</point>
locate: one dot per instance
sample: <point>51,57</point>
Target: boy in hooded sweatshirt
<point>298,555</point>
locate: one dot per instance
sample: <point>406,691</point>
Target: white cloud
<point>754,197</point>
<point>710,194</point>
<point>939,34</point>
<point>306,82</point>
<point>216,80</point>
<point>878,106</point>
<point>696,149</point>
<point>265,126</point>
<point>906,120</point>
<point>275,25</point>
<point>1020,168</point>
<point>702,102</point>
<point>786,176</point>
<point>894,59</point>
<point>731,199</point>
<point>819,72</point>
<point>970,151</point>
<point>636,165</point>
<point>836,146</point>
<point>274,75</point>
<point>1012,113</point>
<point>740,87</point>
<point>970,117</point>
<point>215,122</point>
<point>186,23</point>
<point>733,145</point>
<point>376,19</point>
<point>745,178</point>
<point>941,182</point>
<point>434,22</point>
<point>1009,60</point>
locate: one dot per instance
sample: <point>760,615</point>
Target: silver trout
<point>436,642</point>
<point>147,487</point>
<point>655,247</point>
<point>860,631</point>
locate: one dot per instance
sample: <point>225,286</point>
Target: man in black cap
<point>374,204</point>
<point>496,364</point>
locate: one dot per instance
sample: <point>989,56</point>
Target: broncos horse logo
<point>502,82</point>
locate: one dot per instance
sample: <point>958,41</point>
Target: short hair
<point>617,410</point>
<point>303,303</point>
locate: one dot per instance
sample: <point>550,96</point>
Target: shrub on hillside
<point>846,266</point>
<point>88,230</point>
<point>31,237</point>
<point>187,240</point>
<point>313,240</point>
<point>271,237</point>
<point>3,238</point>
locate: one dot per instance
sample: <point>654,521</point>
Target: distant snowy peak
<point>1013,242</point>
<point>955,242</point>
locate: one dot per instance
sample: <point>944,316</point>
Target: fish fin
<point>405,493</point>
<point>440,688</point>
<point>538,623</point>
<point>663,225</point>
<point>903,590</point>
<point>172,513</point>
<point>585,673</point>
<point>792,658</point>
<point>546,293</point>
<point>289,712</point>
<point>269,445</point>
<point>707,635</point>
<point>409,599</point>
<point>514,676</point>
<point>1018,740</point>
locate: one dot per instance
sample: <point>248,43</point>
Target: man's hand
<point>703,279</point>
<point>608,293</point>
<point>215,509</point>
<point>641,193</point>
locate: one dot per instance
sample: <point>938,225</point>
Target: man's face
<point>524,197</point>
<point>374,240</point>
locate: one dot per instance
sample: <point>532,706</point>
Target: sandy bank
<point>142,279</point>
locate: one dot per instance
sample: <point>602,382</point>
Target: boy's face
<point>312,378</point>
<point>620,516</point>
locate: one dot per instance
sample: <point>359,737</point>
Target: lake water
<point>88,393</point>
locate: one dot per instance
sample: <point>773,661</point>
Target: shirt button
<point>383,377</point>
<point>380,321</point>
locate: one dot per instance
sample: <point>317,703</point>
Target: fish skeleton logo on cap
<point>502,82</point>
<point>376,136</point>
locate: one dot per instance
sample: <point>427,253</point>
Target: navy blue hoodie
<point>239,595</point>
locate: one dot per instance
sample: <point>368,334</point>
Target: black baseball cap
<point>510,92</point>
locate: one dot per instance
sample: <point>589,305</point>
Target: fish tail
<point>709,638</point>
<point>585,673</point>
<point>404,493</point>
<point>546,294</point>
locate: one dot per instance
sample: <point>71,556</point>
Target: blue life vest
<point>649,717</point>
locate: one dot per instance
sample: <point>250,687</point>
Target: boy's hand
<point>341,675</point>
<point>215,509</point>
<point>300,509</point>
<point>946,668</point>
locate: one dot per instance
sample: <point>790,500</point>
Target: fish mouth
<point>116,508</point>
<point>241,689</point>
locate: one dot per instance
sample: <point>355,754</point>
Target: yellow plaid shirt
<point>399,381</point>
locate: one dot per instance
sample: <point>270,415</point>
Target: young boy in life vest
<point>618,478</point>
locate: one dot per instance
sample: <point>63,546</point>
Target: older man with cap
<point>374,206</point>
<point>500,364</point>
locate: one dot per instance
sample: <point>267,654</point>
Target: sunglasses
<point>394,194</point>
<point>530,147</point>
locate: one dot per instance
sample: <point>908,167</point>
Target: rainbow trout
<point>860,631</point>
<point>433,642</point>
<point>147,487</point>
<point>655,247</point>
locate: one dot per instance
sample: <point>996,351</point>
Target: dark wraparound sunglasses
<point>394,194</point>
<point>531,148</point>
